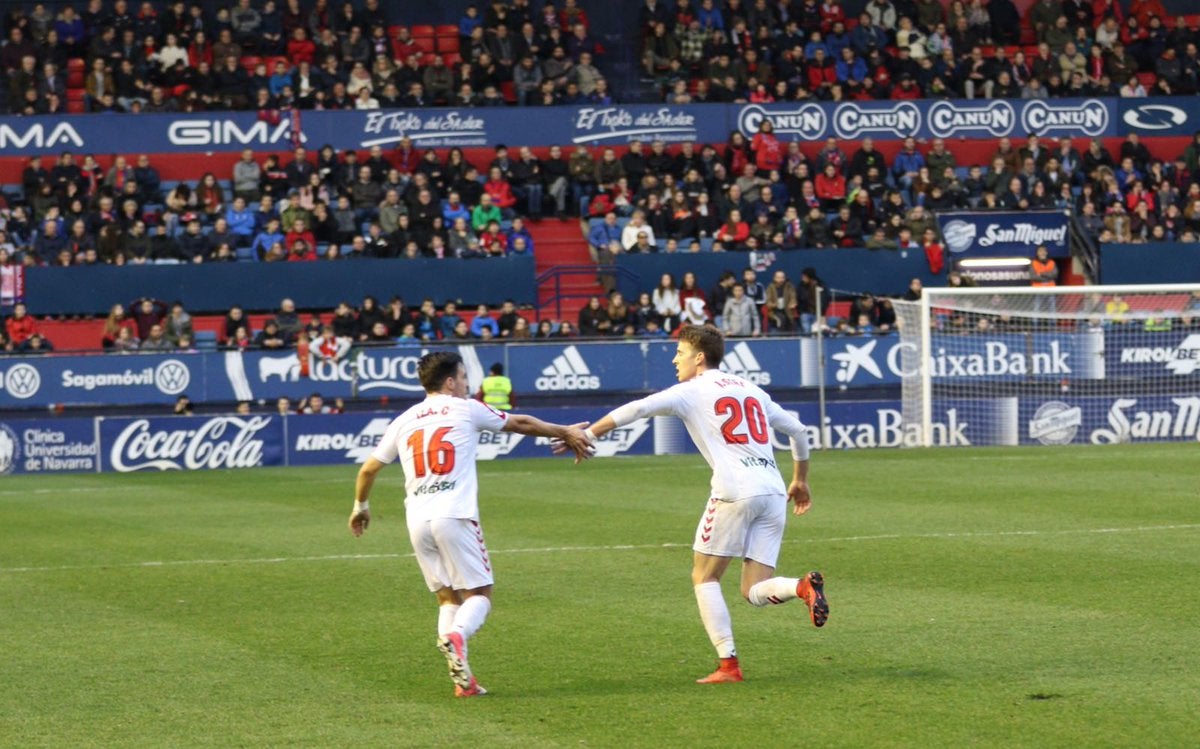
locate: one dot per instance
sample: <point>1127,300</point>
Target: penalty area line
<point>611,547</point>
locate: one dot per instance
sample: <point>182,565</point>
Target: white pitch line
<point>615,547</point>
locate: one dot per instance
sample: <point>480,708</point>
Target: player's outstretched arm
<point>360,516</point>
<point>572,436</point>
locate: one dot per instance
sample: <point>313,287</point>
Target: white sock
<point>446,614</point>
<point>471,615</point>
<point>715,615</point>
<point>774,590</point>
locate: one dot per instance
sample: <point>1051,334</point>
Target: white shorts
<point>750,528</point>
<point>451,553</point>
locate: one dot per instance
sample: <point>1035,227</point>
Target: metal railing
<point>604,275</point>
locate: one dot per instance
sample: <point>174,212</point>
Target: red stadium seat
<point>509,89</point>
<point>425,44</point>
<point>75,79</point>
<point>76,107</point>
<point>447,29</point>
<point>75,63</point>
<point>393,31</point>
<point>447,44</point>
<point>838,309</point>
<point>427,58</point>
<point>423,30</point>
<point>452,58</point>
<point>249,62</point>
<point>75,94</point>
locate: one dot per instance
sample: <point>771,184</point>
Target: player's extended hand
<point>359,521</point>
<point>798,493</point>
<point>576,440</point>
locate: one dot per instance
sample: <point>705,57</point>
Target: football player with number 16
<point>436,442</point>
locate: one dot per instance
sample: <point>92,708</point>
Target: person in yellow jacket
<point>496,389</point>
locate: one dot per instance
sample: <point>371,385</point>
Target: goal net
<point>1051,365</point>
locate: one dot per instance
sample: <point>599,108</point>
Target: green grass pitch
<point>988,597</point>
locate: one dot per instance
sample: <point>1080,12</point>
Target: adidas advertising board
<point>766,362</point>
<point>48,446</point>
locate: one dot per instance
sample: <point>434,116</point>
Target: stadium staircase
<point>560,251</point>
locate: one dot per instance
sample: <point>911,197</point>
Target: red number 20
<point>752,411</point>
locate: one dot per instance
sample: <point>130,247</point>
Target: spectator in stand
<point>830,187</point>
<point>485,213</point>
<point>113,324</point>
<point>147,313</point>
<point>690,289</point>
<point>49,243</point>
<point>740,315</point>
<point>734,232</point>
<point>271,337</point>
<point>178,324</point>
<point>287,320</point>
<point>768,153</point>
<point>20,326</point>
<point>603,233</point>
<point>156,340</point>
<point>636,225</point>
<point>665,299</point>
<point>527,180</point>
<point>449,320</point>
<point>781,303</point>
<point>594,319</point>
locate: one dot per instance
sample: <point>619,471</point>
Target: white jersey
<point>436,441</point>
<point>730,420</point>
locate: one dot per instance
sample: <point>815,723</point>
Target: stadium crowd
<point>267,56</point>
<point>761,51</point>
<point>757,193</point>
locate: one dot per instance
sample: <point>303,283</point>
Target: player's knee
<point>485,591</point>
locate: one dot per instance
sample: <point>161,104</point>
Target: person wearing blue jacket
<point>241,221</point>
<point>908,164</point>
<point>603,234</point>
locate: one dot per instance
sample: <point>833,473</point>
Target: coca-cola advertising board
<point>188,443</point>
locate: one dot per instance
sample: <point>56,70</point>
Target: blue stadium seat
<point>206,340</point>
<point>247,255</point>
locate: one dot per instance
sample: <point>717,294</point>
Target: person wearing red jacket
<point>300,48</point>
<point>831,188</point>
<point>20,327</point>
<point>500,190</point>
<point>734,231</point>
<point>768,153</point>
<point>301,252</point>
<point>1142,10</point>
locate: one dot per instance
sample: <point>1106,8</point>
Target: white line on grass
<point>617,547</point>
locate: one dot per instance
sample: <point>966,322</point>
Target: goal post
<point>1050,365</point>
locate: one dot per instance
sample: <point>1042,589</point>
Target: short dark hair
<point>707,340</point>
<point>434,368</point>
<point>497,369</point>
